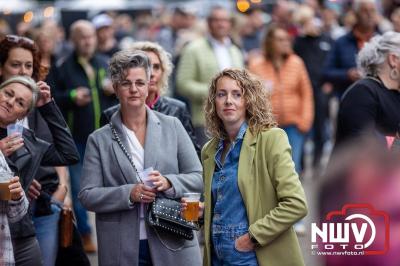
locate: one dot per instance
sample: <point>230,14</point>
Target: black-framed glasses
<point>16,39</point>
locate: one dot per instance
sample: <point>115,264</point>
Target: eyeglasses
<point>17,39</point>
<point>127,85</point>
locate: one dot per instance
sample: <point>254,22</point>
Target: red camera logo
<point>357,229</point>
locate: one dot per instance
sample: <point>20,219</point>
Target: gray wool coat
<point>108,178</point>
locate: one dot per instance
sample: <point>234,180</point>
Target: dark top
<point>26,161</point>
<point>340,59</point>
<point>368,105</point>
<point>313,50</point>
<point>167,106</point>
<point>82,120</point>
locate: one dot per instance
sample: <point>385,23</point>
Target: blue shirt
<point>228,207</point>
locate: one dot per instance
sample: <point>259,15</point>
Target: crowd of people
<point>221,105</point>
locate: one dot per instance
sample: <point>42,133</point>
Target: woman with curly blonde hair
<point>252,195</point>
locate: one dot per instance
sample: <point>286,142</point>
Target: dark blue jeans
<point>75,172</point>
<point>144,254</point>
<point>296,140</point>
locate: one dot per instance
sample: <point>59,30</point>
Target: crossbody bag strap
<point>114,132</point>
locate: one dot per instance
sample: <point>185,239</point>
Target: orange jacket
<point>291,92</point>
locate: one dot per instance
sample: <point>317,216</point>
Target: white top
<point>221,51</point>
<point>137,153</point>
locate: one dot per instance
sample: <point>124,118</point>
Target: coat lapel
<point>246,158</point>
<point>152,142</point>
<point>128,172</point>
<point>209,166</point>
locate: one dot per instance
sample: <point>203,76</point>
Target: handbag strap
<point>114,132</point>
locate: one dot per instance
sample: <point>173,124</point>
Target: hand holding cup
<point>192,208</point>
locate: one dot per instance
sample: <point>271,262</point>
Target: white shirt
<point>137,153</point>
<point>221,51</point>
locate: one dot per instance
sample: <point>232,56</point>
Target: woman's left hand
<point>160,182</point>
<point>244,244</point>
<point>44,93</point>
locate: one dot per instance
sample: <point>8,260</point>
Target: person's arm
<point>189,178</point>
<point>63,150</point>
<point>333,71</point>
<point>186,120</point>
<point>93,195</point>
<point>291,205</point>
<point>61,193</point>
<point>307,100</point>
<point>17,207</point>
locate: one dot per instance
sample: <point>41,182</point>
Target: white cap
<point>102,20</point>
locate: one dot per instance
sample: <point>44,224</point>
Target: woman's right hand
<point>11,143</point>
<point>15,188</point>
<point>201,207</point>
<point>142,193</point>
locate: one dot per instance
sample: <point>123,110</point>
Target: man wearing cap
<point>107,45</point>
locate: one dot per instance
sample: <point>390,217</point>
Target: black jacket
<point>26,161</point>
<point>82,120</point>
<point>167,106</point>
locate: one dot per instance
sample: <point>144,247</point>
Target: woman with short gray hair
<point>371,105</point>
<point>138,141</point>
<point>161,69</point>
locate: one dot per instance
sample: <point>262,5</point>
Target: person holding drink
<point>253,195</point>
<point>192,206</point>
<point>13,206</point>
<point>117,159</point>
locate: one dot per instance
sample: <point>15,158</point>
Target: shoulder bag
<point>163,214</point>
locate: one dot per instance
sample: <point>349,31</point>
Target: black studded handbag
<point>163,214</point>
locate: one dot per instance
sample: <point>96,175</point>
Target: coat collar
<point>152,144</point>
<point>245,160</point>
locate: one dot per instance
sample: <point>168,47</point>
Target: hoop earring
<point>394,74</point>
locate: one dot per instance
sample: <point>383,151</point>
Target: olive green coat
<point>272,194</point>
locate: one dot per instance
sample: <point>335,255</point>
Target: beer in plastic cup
<point>192,210</point>
<point>5,177</point>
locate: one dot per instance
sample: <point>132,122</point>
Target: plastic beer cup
<point>192,210</point>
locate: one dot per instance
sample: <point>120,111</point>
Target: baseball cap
<point>102,20</point>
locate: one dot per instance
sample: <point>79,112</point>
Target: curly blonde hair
<point>259,115</point>
<point>165,60</point>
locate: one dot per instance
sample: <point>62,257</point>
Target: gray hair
<point>374,53</point>
<point>27,82</point>
<point>126,59</point>
<point>164,56</point>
